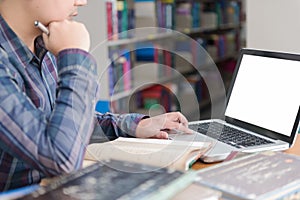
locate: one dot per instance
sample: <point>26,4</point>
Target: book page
<point>156,152</point>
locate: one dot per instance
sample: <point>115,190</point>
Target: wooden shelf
<point>143,37</point>
<point>222,27</point>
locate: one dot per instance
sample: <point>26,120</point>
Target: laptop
<point>262,111</point>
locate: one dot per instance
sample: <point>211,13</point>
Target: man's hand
<point>65,35</point>
<point>156,127</point>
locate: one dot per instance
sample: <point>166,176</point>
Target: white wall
<point>273,25</point>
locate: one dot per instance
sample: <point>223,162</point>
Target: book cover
<point>114,179</point>
<point>260,176</point>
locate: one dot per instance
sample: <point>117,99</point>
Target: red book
<point>127,74</point>
<point>109,18</point>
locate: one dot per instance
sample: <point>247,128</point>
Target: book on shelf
<point>123,15</point>
<point>120,17</point>
<point>145,13</point>
<point>119,71</point>
<point>218,13</point>
<point>259,176</point>
<point>188,15</point>
<point>112,19</point>
<point>196,14</point>
<point>109,15</point>
<point>179,155</point>
<point>184,19</point>
<point>158,61</point>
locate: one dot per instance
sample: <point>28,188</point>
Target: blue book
<point>19,192</point>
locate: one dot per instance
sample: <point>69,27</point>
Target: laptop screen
<point>266,93</point>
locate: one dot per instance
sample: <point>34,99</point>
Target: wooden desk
<point>294,150</point>
<point>198,165</point>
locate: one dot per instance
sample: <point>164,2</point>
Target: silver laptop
<point>262,111</point>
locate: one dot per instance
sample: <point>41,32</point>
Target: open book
<point>156,152</point>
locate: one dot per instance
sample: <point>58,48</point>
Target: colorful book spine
<point>167,17</point>
<point>131,16</point>
<point>196,14</point>
<point>109,11</point>
<point>124,19</point>
<point>127,76</point>
<point>184,18</point>
<point>112,19</point>
<point>120,77</point>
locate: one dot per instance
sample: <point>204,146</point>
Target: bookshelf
<point>152,57</point>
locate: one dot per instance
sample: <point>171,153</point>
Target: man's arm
<point>55,144</point>
<point>110,126</point>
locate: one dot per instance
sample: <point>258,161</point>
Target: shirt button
<point>93,67</point>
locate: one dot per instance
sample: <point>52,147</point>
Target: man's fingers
<point>185,130</point>
<point>162,135</point>
<point>177,128</point>
<point>179,118</point>
<point>172,125</point>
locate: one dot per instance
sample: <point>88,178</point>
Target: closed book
<point>259,176</point>
<point>113,179</point>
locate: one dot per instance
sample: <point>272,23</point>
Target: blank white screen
<point>266,93</point>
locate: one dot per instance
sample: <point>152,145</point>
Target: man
<point>47,85</point>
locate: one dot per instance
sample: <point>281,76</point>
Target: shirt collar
<point>15,46</point>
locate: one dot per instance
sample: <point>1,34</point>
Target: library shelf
<point>219,23</point>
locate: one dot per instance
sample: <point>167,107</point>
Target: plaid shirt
<point>47,117</point>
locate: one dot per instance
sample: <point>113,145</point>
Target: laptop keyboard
<point>228,135</point>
